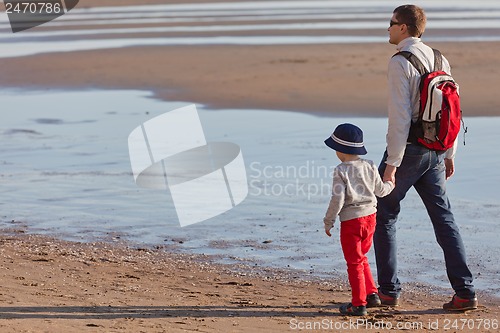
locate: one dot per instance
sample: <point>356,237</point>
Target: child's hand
<point>327,231</point>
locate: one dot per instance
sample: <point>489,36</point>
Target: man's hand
<point>390,173</point>
<point>450,167</point>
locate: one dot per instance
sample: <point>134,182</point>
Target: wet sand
<point>50,285</point>
<point>338,79</point>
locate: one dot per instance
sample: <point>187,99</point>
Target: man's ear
<point>404,29</point>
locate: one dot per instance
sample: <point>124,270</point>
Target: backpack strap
<point>414,61</point>
<point>438,60</point>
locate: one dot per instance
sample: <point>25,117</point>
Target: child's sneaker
<point>373,301</point>
<point>461,304</point>
<point>388,300</point>
<point>351,310</point>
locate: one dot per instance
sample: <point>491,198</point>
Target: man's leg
<point>384,244</point>
<point>388,208</point>
<point>432,189</point>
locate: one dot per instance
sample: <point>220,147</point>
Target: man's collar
<point>407,42</point>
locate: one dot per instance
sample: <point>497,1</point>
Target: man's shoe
<point>351,310</point>
<point>373,301</point>
<point>388,300</point>
<point>461,304</point>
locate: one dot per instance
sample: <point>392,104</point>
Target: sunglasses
<point>391,23</point>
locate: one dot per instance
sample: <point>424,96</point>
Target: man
<point>410,164</point>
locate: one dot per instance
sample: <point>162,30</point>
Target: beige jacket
<point>355,187</point>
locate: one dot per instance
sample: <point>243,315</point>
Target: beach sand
<point>50,285</point>
<point>338,79</point>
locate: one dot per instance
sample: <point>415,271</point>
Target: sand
<point>49,285</point>
<point>339,79</point>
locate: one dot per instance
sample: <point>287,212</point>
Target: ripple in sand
<point>21,131</point>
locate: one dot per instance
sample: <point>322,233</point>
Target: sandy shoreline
<point>333,79</point>
<point>50,285</point>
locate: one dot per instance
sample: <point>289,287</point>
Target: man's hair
<point>414,18</point>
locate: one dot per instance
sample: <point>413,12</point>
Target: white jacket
<point>355,187</point>
<point>404,97</point>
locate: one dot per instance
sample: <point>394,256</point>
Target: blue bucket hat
<point>347,139</point>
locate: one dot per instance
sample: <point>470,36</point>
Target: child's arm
<point>381,188</point>
<point>336,201</point>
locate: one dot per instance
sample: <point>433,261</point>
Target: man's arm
<point>399,112</point>
<point>449,159</point>
<point>450,167</point>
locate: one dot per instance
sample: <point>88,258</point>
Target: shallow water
<point>65,171</point>
<point>246,23</point>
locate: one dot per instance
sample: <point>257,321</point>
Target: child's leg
<point>350,239</point>
<point>370,286</point>
<point>368,224</point>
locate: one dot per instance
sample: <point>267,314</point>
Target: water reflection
<point>246,23</point>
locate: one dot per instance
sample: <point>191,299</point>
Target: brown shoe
<point>461,304</point>
<point>388,300</point>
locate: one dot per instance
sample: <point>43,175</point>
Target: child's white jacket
<point>356,184</point>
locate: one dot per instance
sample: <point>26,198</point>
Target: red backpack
<point>440,115</point>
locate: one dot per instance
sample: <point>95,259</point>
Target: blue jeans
<point>425,170</point>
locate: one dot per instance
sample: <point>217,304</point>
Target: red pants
<point>356,237</point>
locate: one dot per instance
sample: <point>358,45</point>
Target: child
<point>356,182</point>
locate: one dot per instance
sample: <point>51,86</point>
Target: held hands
<point>390,173</point>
